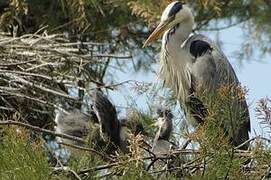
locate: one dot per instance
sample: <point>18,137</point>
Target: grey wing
<point>210,66</point>
<point>209,71</point>
<point>107,116</point>
<point>74,123</point>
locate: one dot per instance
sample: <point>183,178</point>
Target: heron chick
<point>104,118</point>
<point>161,143</point>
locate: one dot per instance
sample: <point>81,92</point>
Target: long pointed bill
<point>162,27</point>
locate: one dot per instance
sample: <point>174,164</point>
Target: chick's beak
<point>160,29</point>
<point>159,122</point>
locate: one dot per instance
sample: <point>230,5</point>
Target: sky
<point>254,74</point>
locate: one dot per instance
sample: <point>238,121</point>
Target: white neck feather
<point>180,34</point>
<point>175,61</point>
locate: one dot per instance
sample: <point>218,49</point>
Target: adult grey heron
<point>194,67</point>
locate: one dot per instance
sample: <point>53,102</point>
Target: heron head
<point>164,116</point>
<point>175,13</point>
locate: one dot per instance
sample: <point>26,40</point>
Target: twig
<point>67,169</point>
<point>185,166</point>
<point>112,86</point>
<point>18,63</point>
<point>187,142</point>
<point>38,129</point>
<point>268,172</point>
<point>46,103</point>
<point>19,79</point>
<point>253,139</point>
<point>111,56</point>
<point>151,164</point>
<point>106,175</point>
<point>98,168</point>
<point>27,74</point>
<point>86,149</point>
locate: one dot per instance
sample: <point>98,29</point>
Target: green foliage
<point>220,159</point>
<point>20,158</point>
<point>253,15</point>
<point>122,27</point>
<point>84,160</point>
<point>135,172</point>
<point>97,19</point>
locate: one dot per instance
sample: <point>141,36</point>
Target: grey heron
<point>161,143</point>
<point>162,146</point>
<point>194,67</point>
<point>103,118</point>
<point>74,123</point>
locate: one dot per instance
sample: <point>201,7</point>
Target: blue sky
<point>254,74</point>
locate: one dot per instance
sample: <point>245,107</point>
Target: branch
<point>38,129</point>
<point>31,84</point>
<point>86,149</point>
<point>253,139</point>
<point>67,169</point>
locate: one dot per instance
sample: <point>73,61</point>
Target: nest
<point>39,73</point>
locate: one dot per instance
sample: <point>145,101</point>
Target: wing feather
<point>210,71</point>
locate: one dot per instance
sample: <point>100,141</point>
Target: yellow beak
<point>160,29</point>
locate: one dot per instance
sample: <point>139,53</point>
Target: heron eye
<point>175,8</point>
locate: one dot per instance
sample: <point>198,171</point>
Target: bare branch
<point>38,129</point>
<point>86,149</point>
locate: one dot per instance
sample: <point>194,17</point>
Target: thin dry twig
<point>86,149</point>
<point>41,72</point>
<point>67,169</point>
<point>38,129</point>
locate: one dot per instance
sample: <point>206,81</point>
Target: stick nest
<point>38,73</point>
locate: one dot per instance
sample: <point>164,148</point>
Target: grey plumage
<point>113,134</point>
<point>195,68</point>
<point>107,116</point>
<point>161,143</point>
<point>74,123</point>
<point>166,126</point>
<point>210,72</point>
<point>162,146</point>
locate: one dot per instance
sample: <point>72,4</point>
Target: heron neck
<point>166,129</point>
<point>174,59</point>
<point>176,36</point>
